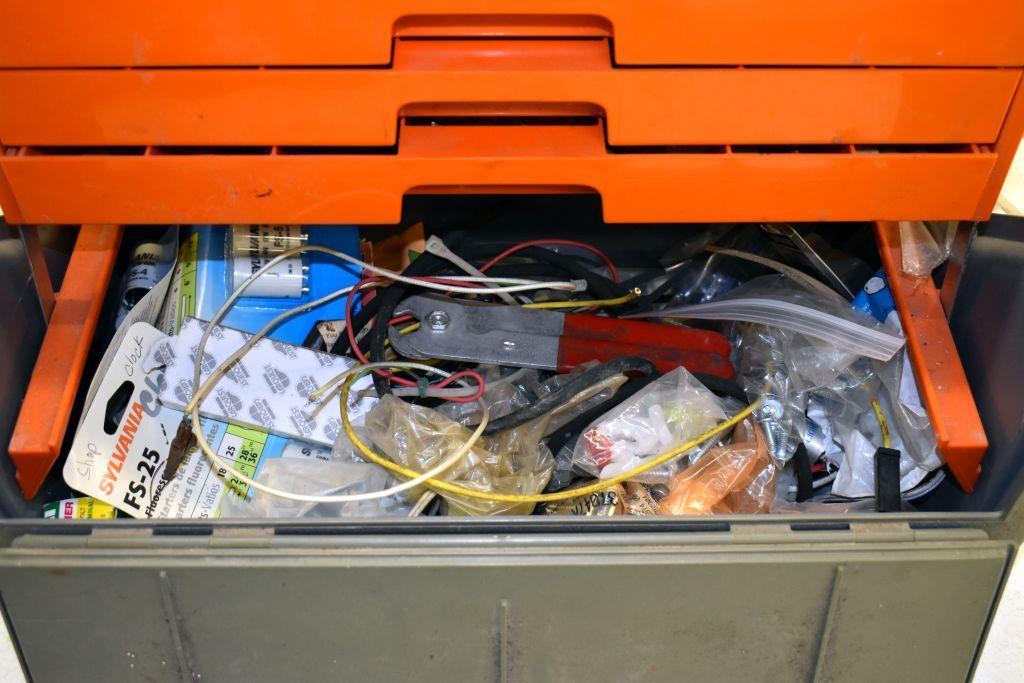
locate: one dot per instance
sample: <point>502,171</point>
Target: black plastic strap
<point>887,480</point>
<point>804,476</point>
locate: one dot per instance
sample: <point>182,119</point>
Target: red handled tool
<point>530,338</point>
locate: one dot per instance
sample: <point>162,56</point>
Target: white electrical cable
<point>818,483</point>
<point>437,247</point>
<point>573,286</point>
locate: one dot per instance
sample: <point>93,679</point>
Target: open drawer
<point>162,583</point>
<point>39,435</point>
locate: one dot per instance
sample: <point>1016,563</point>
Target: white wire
<point>439,469</point>
<point>818,483</point>
<point>437,247</point>
<point>575,286</point>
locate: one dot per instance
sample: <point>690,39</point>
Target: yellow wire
<point>586,304</point>
<point>886,441</point>
<point>541,497</point>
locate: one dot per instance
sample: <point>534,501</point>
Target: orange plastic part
<point>940,375</point>
<point>359,32</point>
<point>361,107</point>
<point>369,188</point>
<point>43,421</point>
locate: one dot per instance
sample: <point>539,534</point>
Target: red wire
<point>565,243</point>
<point>350,301</point>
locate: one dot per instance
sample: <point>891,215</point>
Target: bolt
<point>438,320</point>
<point>509,345</point>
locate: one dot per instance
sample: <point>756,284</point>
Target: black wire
<point>389,298</point>
<point>599,286</point>
<point>804,476</point>
<point>564,394</point>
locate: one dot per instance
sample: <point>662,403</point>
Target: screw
<point>438,320</point>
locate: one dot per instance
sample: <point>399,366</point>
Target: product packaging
<point>121,446</point>
<point>269,388</point>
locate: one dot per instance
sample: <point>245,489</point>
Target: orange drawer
<point>45,413</point>
<point>324,185</point>
<point>349,32</point>
<point>641,106</point>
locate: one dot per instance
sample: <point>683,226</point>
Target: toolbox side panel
<point>845,612</point>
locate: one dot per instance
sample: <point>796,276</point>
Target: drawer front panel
<point>353,32</point>
<point>362,107</point>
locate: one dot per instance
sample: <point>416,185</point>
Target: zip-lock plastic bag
<point>773,300</point>
<point>664,415</point>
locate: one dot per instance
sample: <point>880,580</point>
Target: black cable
<point>804,476</point>
<point>388,300</point>
<point>564,394</point>
<point>599,286</point>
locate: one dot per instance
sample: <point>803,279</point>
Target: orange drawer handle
<point>43,421</point>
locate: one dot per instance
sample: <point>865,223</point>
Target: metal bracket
<point>480,333</point>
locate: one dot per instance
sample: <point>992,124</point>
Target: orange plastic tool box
<point>323,111</point>
<point>248,109</point>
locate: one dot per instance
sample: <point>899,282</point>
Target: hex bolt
<point>438,320</point>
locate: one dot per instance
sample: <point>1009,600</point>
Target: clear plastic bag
<point>506,395</point>
<point>664,415</point>
<point>502,395</point>
<point>737,478</point>
<point>512,462</point>
<point>925,246</point>
<point>790,371</point>
<point>773,300</point>
<point>310,476</point>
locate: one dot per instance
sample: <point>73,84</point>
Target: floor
<point>1002,660</point>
